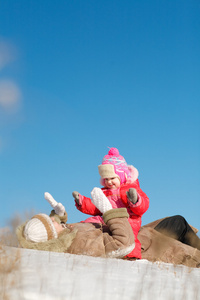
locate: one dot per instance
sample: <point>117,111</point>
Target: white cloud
<point>10,95</point>
<point>7,53</point>
<point>10,92</point>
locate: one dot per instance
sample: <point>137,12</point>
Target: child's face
<point>112,183</point>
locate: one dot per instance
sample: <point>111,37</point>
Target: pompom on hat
<point>40,229</point>
<point>114,164</point>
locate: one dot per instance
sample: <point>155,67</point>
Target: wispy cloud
<point>10,92</point>
<point>7,53</point>
<point>10,95</point>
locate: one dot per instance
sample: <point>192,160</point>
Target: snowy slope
<point>53,276</point>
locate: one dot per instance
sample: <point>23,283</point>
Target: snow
<point>57,276</point>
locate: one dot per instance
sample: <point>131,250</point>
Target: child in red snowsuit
<point>121,187</point>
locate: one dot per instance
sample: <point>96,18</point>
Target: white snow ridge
<point>54,276</point>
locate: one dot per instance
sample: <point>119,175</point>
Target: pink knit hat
<point>114,164</point>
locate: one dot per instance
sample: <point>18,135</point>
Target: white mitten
<point>58,207</point>
<point>100,200</point>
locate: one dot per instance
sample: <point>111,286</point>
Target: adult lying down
<point>170,240</point>
<point>52,233</point>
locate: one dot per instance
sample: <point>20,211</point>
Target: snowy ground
<point>53,276</point>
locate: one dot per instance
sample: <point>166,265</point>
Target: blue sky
<point>77,77</point>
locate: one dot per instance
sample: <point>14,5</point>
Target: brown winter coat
<point>156,246</point>
<point>116,239</point>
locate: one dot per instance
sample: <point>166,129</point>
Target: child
<point>121,187</point>
<point>51,233</point>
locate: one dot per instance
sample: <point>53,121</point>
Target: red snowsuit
<point>118,198</point>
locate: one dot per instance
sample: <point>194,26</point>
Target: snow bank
<point>54,276</point>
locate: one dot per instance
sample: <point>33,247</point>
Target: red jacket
<point>118,198</point>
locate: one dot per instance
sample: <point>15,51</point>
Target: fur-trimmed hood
<point>133,174</point>
<point>60,244</point>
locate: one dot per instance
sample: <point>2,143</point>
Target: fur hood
<point>61,244</point>
<point>133,174</point>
